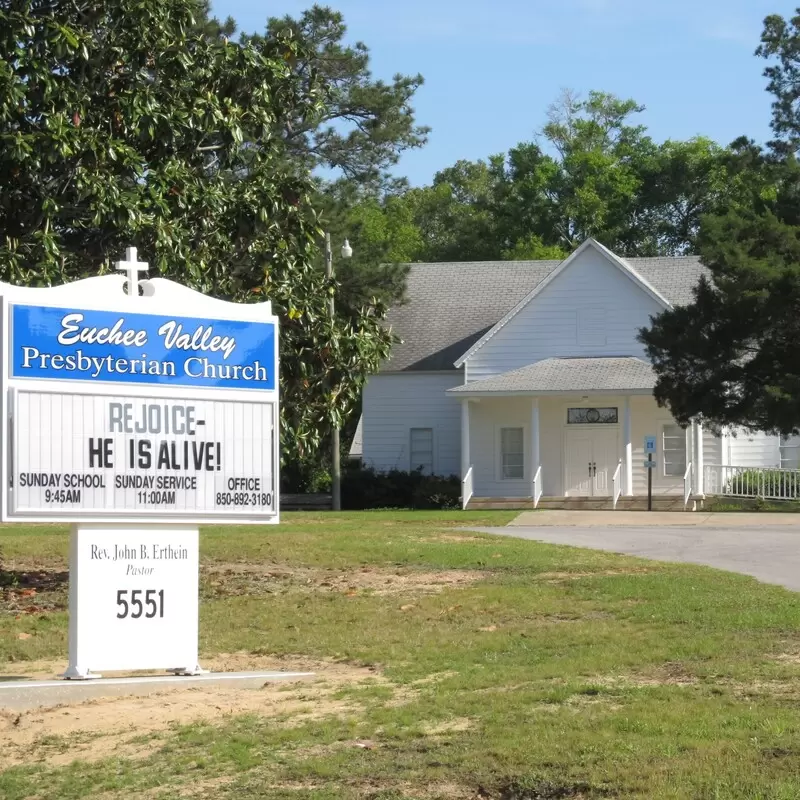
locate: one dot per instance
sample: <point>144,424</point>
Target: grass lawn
<point>450,665</point>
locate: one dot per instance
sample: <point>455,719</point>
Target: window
<point>592,416</point>
<point>790,452</point>
<point>674,449</point>
<point>512,454</point>
<point>422,450</point>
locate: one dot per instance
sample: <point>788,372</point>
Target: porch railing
<point>536,487</point>
<point>616,482</point>
<point>688,480</point>
<point>466,489</point>
<point>771,483</point>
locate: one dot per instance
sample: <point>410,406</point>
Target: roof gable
<point>618,262</point>
<point>451,305</point>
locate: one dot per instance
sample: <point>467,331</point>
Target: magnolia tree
<point>125,123</point>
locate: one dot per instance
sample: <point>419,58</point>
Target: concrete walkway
<point>24,695</point>
<point>670,519</point>
<point>766,546</point>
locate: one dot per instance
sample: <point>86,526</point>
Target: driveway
<point>768,550</point>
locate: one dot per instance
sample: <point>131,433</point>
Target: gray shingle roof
<point>451,305</point>
<point>569,375</point>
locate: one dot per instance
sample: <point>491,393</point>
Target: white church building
<point>526,379</point>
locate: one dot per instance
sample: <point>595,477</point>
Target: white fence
<point>536,487</point>
<point>769,483</point>
<point>688,481</point>
<point>466,489</point>
<point>616,482</point>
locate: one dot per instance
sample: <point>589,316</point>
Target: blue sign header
<point>71,344</point>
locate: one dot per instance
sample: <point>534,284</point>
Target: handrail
<point>466,489</point>
<point>536,487</point>
<point>687,483</point>
<point>616,482</point>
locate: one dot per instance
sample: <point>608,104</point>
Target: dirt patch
<point>221,580</point>
<point>32,590</point>
<point>120,726</point>
<point>435,677</point>
<point>788,658</point>
<point>561,577</point>
<point>438,790</point>
<point>457,725</point>
<point>457,538</point>
<point>669,674</point>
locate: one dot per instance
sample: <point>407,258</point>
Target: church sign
<point>121,414</point>
<point>136,418</point>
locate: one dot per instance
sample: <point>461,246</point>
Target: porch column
<point>627,460</point>
<point>535,456</point>
<point>465,459</point>
<point>699,487</point>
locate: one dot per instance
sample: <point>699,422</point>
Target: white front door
<point>579,463</point>
<point>591,458</point>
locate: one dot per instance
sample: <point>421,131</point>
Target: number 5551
<point>136,608</point>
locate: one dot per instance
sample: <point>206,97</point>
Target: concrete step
<point>660,503</point>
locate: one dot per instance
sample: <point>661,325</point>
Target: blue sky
<point>492,68</point>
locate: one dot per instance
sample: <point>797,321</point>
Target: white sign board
<point>121,410</point>
<point>84,455</point>
<point>649,444</point>
<point>136,417</point>
<point>134,594</point>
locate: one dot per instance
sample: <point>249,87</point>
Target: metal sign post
<point>136,417</point>
<point>650,449</point>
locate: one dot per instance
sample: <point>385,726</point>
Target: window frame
<point>500,471</point>
<point>411,465</point>
<point>663,454</point>
<point>603,422</point>
<point>784,446</point>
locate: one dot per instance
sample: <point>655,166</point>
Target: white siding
<point>394,404</point>
<point>590,309</point>
<point>757,449</point>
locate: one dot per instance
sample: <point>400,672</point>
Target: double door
<point>591,457</point>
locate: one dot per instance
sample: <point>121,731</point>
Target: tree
<point>360,133</point>
<point>600,155</point>
<point>124,123</point>
<point>681,182</point>
<point>590,172</point>
<point>731,356</point>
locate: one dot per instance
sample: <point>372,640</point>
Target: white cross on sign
<point>133,267</point>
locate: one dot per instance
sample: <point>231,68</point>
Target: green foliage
<point>531,248</point>
<point>439,651</point>
<point>780,40</point>
<point>762,483</point>
<point>127,123</point>
<point>364,488</point>
<point>591,172</point>
<point>731,356</point>
<point>366,124</point>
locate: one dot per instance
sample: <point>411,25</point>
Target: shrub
<point>365,488</point>
<point>764,483</point>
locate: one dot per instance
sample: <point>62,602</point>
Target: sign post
<point>136,424</point>
<point>650,449</point>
